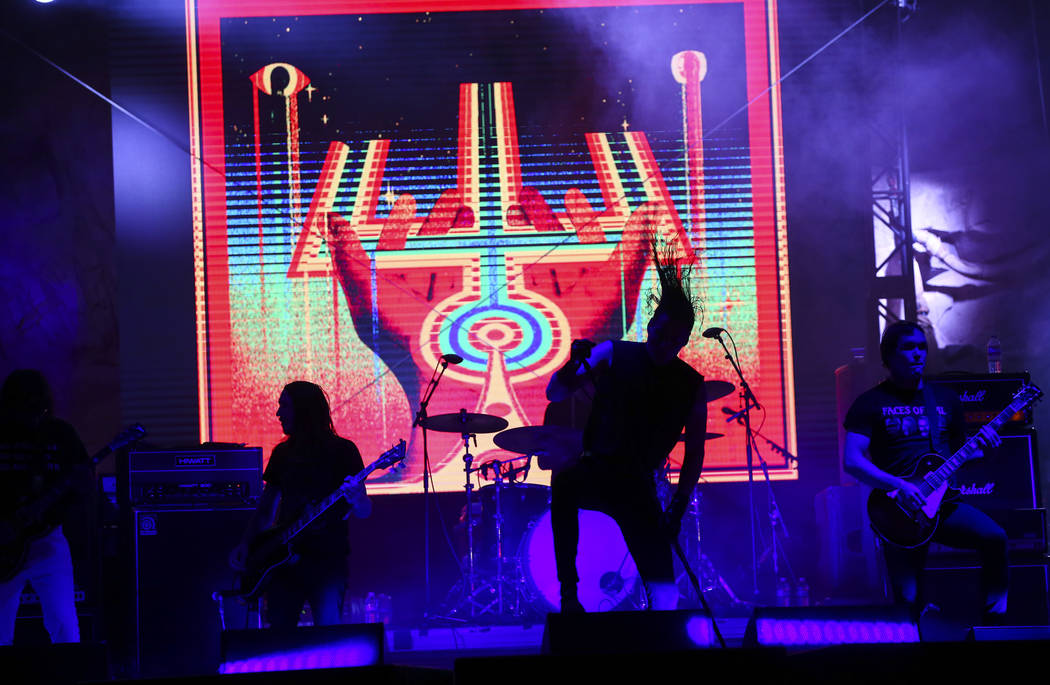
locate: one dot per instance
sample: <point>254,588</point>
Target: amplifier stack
<point>186,510</point>
<point>1005,483</point>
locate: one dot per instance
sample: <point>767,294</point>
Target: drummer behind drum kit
<point>509,565</point>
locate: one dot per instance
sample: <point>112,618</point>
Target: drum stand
<point>709,577</point>
<point>497,595</point>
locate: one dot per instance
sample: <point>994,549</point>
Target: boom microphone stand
<point>750,402</point>
<point>420,420</point>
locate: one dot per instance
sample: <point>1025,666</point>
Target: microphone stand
<point>420,420</point>
<point>775,516</point>
<point>750,402</point>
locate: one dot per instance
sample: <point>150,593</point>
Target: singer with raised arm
<point>893,432</point>
<point>644,397</point>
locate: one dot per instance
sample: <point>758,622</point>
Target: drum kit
<point>508,561</point>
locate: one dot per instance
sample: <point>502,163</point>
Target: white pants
<point>49,569</point>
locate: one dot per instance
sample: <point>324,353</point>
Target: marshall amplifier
<point>204,477</point>
<point>1005,485</point>
<point>983,396</point>
<point>1006,477</point>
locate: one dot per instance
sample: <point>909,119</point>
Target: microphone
<point>451,359</point>
<point>713,332</point>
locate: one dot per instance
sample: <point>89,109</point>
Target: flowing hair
<point>673,297</point>
<point>312,414</point>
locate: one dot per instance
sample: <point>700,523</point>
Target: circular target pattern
<point>528,335</point>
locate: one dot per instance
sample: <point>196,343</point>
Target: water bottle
<point>802,593</point>
<point>783,592</point>
<point>995,355</point>
<point>371,608</point>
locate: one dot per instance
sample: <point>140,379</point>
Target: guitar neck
<point>324,505</point>
<point>936,478</point>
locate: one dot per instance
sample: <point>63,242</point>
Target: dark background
<point>96,281</point>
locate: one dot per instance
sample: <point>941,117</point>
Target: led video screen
<point>380,184</point>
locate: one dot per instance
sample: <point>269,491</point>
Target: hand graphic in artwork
<point>597,297</point>
<point>597,290</point>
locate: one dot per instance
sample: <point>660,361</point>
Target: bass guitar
<point>900,527</point>
<point>274,548</point>
<point>25,524</point>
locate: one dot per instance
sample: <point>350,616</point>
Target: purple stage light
<point>304,648</point>
<point>352,652</point>
<point>795,631</point>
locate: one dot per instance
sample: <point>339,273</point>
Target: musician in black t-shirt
<point>888,431</point>
<point>309,465</point>
<point>44,472</point>
<point>645,395</point>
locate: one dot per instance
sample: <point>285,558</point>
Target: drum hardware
<point>709,579</point>
<point>552,445</point>
<point>716,390</point>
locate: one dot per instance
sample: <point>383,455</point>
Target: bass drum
<point>608,576</point>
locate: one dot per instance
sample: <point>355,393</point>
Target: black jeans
<point>629,498</point>
<point>318,580</point>
<point>964,527</point>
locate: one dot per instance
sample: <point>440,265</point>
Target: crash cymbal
<point>716,390</point>
<point>707,436</point>
<point>463,422</point>
<point>559,440</point>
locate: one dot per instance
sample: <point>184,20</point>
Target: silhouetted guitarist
<point>311,463</point>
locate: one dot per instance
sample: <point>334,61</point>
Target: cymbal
<point>559,440</point>
<point>462,422</point>
<point>716,390</point>
<point>707,436</point>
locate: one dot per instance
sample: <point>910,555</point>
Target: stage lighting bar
<point>824,626</point>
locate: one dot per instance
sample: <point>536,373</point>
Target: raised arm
<point>573,374</point>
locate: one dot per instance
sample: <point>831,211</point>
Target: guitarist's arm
<point>856,460</point>
<point>263,518</point>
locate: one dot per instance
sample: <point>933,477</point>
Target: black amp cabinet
<point>1005,482</point>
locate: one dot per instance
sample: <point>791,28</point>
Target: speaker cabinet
<point>849,560</point>
<point>955,591</point>
<point>180,559</point>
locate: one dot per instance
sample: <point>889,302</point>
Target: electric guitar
<point>273,548</point>
<point>902,528</point>
<point>25,524</point>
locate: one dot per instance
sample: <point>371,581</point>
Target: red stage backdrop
<point>377,184</point>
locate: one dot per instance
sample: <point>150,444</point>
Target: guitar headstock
<point>1027,395</point>
<point>393,458</point>
<point>130,435</point>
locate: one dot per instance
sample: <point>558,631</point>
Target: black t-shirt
<point>639,408</point>
<point>305,472</point>
<point>895,420</point>
<point>35,461</point>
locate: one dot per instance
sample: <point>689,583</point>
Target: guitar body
<point>13,554</point>
<point>267,552</point>
<point>899,527</point>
